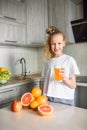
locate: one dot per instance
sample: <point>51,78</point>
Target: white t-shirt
<point>56,89</point>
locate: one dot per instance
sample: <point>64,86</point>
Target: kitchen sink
<point>27,77</point>
<point>20,77</point>
<point>81,79</point>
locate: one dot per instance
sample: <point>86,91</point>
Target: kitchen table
<point>64,117</point>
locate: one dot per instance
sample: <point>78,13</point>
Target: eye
<point>59,43</point>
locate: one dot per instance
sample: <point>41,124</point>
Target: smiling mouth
<point>57,50</point>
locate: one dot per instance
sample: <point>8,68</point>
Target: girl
<point>62,92</point>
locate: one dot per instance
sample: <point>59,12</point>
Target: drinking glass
<point>57,75</point>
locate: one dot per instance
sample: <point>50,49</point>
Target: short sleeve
<point>74,69</point>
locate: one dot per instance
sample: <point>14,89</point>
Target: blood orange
<point>26,99</point>
<point>45,110</point>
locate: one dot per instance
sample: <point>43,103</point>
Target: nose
<point>56,45</point>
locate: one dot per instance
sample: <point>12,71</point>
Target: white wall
<point>79,52</point>
<point>9,57</point>
<point>40,58</point>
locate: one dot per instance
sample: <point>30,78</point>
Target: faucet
<point>23,62</point>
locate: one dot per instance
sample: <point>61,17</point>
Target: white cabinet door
<point>37,21</point>
<point>7,32</point>
<point>61,12</point>
<point>0,8</point>
<point>8,95</point>
<point>2,34</point>
<point>11,32</point>
<point>14,10</point>
<point>56,11</point>
<point>21,33</point>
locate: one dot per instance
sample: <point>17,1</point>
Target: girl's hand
<point>62,72</point>
<point>71,82</point>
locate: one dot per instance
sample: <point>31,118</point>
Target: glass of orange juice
<point>57,75</point>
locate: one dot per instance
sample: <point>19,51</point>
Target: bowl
<point>3,81</point>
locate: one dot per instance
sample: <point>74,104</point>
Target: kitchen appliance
<point>79,26</point>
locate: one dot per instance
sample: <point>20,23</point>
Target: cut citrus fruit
<point>26,99</point>
<point>45,110</point>
<point>42,99</point>
<point>34,104</point>
<point>36,91</point>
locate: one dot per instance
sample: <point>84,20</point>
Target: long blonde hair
<point>51,31</point>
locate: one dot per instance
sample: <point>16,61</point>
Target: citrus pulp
<point>45,110</point>
<point>26,99</point>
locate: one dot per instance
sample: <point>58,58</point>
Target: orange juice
<point>57,76</point>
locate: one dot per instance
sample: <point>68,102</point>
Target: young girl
<point>62,92</point>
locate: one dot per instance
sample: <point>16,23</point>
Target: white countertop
<point>33,77</point>
<point>14,83</point>
<point>64,117</point>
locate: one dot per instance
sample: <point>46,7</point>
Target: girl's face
<point>57,44</point>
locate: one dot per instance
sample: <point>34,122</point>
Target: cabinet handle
<point>7,91</point>
<point>10,41</point>
<point>9,17</point>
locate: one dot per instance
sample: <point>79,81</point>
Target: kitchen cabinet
<point>83,97</point>
<point>11,32</point>
<point>73,11</point>
<point>61,13</point>
<point>80,97</point>
<point>28,87</point>
<point>7,95</point>
<point>59,16</point>
<point>41,84</point>
<point>14,10</point>
<point>77,96</point>
<point>56,11</point>
<point>1,8</point>
<point>12,22</point>
<point>37,21</point>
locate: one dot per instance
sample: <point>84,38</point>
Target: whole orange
<point>42,99</point>
<point>34,104</point>
<point>16,106</point>
<point>36,91</point>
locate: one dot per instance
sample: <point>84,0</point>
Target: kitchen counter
<point>32,77</point>
<point>64,117</point>
<point>17,86</point>
<point>82,84</point>
<point>15,82</point>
